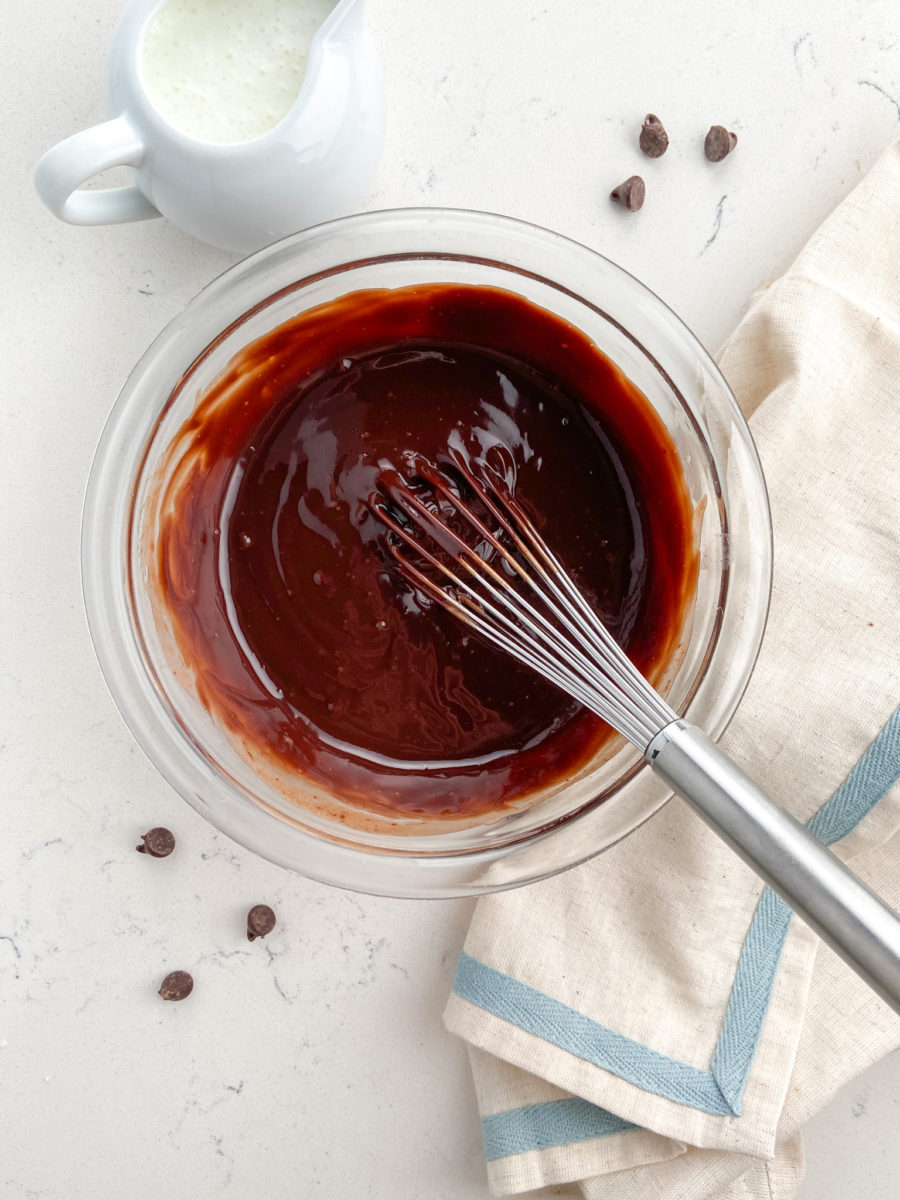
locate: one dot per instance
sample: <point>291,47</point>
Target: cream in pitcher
<point>229,72</point>
<point>243,121</point>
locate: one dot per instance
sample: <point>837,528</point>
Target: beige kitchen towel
<point>655,1022</point>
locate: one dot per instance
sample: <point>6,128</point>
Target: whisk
<point>493,570</point>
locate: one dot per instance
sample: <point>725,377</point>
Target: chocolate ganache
<point>300,638</point>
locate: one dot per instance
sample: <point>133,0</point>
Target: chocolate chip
<point>719,143</point>
<point>654,141</point>
<point>177,985</point>
<point>630,194</point>
<point>260,921</point>
<point>158,842</point>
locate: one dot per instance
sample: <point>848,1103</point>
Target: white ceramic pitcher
<point>314,164</point>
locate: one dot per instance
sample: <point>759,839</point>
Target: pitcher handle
<point>70,163</point>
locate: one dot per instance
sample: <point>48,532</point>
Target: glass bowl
<point>611,796</point>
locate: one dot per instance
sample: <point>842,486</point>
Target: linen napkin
<point>655,1022</point>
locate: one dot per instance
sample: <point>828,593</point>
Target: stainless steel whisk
<point>501,579</point>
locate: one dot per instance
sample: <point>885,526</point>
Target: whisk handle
<point>853,921</point>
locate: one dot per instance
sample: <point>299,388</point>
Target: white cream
<point>228,70</point>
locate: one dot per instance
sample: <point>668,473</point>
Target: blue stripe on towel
<point>570,1030</point>
<point>750,996</point>
<point>718,1091</point>
<point>538,1126</point>
<point>868,783</point>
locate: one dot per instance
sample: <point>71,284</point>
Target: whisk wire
<point>573,676</point>
<point>482,615</point>
<point>592,635</point>
<point>573,650</point>
<point>595,636</point>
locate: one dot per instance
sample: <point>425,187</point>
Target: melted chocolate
<point>270,565</point>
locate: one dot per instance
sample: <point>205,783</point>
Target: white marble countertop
<point>314,1064</point>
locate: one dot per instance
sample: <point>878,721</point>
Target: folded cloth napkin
<point>655,1022</point>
